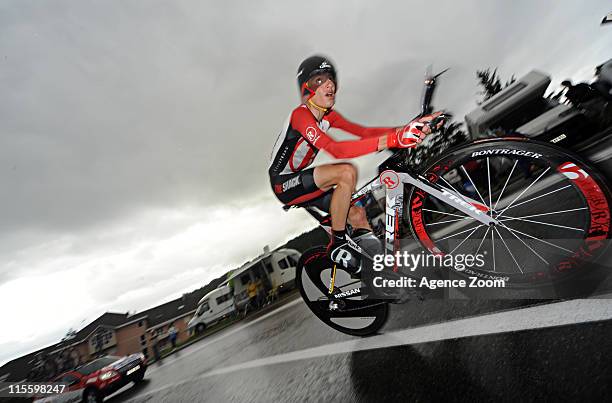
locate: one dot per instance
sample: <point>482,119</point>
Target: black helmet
<point>310,67</point>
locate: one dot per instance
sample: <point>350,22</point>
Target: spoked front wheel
<point>348,312</point>
<point>552,209</point>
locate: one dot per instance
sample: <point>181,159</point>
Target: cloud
<point>127,269</point>
<point>136,135</point>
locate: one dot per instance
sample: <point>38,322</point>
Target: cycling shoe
<point>346,254</point>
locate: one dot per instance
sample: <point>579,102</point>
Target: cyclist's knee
<point>347,174</point>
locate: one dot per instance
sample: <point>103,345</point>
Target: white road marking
<point>529,318</point>
<point>536,317</point>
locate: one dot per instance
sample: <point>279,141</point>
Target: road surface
<point>431,350</point>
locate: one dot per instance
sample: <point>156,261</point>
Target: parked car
<point>214,306</point>
<point>99,378</point>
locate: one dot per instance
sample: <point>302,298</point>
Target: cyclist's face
<point>325,90</point>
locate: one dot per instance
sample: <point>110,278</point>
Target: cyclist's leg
<point>301,187</point>
<point>358,219</point>
<point>329,187</point>
<point>341,177</point>
<point>344,177</point>
<point>296,188</point>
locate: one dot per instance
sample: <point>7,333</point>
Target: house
<point>104,335</point>
<point>109,334</point>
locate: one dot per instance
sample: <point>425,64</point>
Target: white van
<point>281,267</point>
<point>276,270</point>
<point>214,306</point>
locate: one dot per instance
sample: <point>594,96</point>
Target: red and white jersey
<point>302,137</point>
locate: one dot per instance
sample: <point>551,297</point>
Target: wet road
<point>435,350</point>
<point>431,350</point>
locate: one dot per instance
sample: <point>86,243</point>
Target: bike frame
<point>395,182</point>
<point>394,203</point>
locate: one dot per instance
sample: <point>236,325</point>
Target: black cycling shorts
<point>300,188</point>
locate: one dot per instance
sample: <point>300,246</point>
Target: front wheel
<point>351,314</point>
<point>553,211</point>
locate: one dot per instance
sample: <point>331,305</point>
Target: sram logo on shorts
<point>506,151</point>
<point>291,183</point>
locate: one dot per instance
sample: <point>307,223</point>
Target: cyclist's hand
<point>433,121</point>
<point>408,136</point>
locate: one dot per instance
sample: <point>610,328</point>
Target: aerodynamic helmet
<point>311,67</point>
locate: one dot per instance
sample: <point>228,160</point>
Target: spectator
<point>172,335</point>
<point>155,346</point>
<point>261,294</point>
<point>252,291</point>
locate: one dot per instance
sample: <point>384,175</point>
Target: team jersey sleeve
<point>304,122</point>
<point>338,121</point>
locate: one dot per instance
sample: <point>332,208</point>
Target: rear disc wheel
<point>357,316</point>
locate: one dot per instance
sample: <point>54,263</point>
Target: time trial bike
<point>537,212</point>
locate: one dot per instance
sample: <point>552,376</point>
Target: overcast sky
<point>135,135</point>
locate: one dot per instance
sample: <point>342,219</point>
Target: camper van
<point>214,306</point>
<point>275,270</point>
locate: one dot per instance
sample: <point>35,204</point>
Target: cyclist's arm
<point>338,121</point>
<point>303,121</point>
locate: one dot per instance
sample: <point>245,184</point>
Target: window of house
<point>283,264</point>
<point>140,324</point>
<point>269,267</point>
<point>142,337</point>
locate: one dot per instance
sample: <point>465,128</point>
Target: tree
<point>491,83</point>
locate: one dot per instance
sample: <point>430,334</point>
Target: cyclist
<point>330,187</point>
